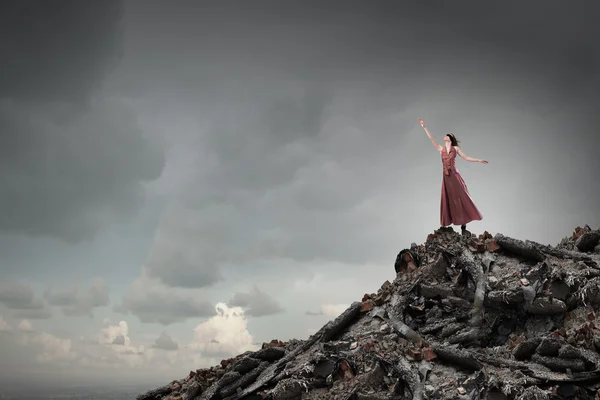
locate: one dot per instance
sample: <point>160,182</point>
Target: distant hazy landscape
<point>108,392</point>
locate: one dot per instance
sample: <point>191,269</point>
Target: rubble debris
<point>533,393</point>
<point>192,391</point>
<point>407,260</point>
<point>156,394</point>
<point>243,381</point>
<point>521,248</point>
<point>273,343</point>
<point>269,354</point>
<point>246,364</point>
<point>588,240</point>
<point>467,317</point>
<point>546,306</point>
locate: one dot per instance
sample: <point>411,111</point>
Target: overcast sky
<point>183,180</point>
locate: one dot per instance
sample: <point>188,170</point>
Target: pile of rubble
<point>466,318</point>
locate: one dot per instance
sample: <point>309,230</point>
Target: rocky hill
<point>466,318</point>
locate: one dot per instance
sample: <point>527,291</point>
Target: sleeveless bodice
<point>448,160</point>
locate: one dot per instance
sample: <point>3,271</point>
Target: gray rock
<point>588,241</point>
<point>289,389</point>
<point>269,354</point>
<point>524,350</point>
<point>155,394</point>
<point>549,347</point>
<point>246,364</point>
<point>546,306</point>
<point>192,391</point>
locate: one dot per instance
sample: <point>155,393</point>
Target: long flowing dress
<point>457,207</point>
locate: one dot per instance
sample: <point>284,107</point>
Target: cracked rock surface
<point>467,317</point>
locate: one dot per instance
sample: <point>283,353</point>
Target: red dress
<point>457,207</point>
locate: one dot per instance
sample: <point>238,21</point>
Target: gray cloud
<point>305,150</point>
<point>72,159</point>
<point>34,313</point>
<point>165,342</point>
<point>256,303</point>
<point>79,303</point>
<point>68,179</point>
<point>152,302</point>
<point>61,296</point>
<point>86,36</point>
<point>119,340</point>
<point>21,298</point>
<point>185,253</point>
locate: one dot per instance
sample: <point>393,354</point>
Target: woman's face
<point>447,139</point>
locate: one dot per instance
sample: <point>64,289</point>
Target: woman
<point>457,207</point>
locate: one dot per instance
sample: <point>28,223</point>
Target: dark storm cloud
<point>71,159</point>
<point>267,121</point>
<point>533,28</point>
<point>256,303</point>
<point>264,67</point>
<point>350,42</point>
<point>309,115</point>
<point>555,39</point>
<point>57,51</point>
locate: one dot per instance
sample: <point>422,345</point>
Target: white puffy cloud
<point>115,352</point>
<point>25,326</point>
<point>224,334</point>
<point>111,333</point>
<point>53,348</point>
<point>48,348</point>
<point>117,345</point>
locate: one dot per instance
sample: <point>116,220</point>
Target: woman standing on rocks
<point>457,207</point>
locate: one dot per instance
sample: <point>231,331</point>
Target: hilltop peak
<point>467,317</point>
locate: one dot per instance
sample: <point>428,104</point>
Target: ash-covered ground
<point>488,317</point>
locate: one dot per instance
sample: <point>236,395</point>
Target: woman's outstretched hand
<point>483,161</point>
<point>422,122</point>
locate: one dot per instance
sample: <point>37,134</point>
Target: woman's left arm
<point>466,157</point>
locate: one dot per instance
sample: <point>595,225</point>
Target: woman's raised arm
<point>433,141</point>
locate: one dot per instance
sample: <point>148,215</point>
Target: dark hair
<point>453,139</point>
